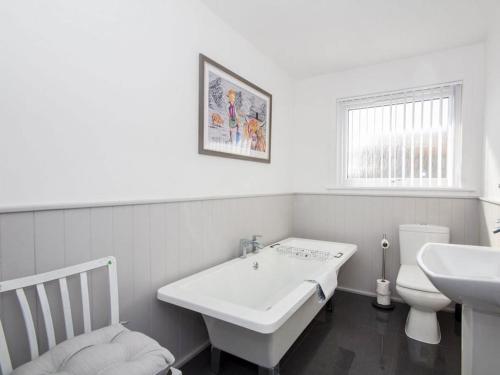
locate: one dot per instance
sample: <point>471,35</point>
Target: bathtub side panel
<point>265,350</point>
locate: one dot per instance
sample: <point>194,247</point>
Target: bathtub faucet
<point>255,245</point>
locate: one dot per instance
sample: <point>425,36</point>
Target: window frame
<point>453,90</point>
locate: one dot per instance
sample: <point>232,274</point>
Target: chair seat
<point>112,350</point>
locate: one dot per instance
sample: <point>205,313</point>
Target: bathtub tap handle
<point>256,245</point>
<point>253,243</point>
<point>497,228</point>
<point>244,243</point>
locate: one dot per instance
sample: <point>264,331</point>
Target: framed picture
<point>235,115</point>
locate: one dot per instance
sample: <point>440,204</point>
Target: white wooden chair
<point>62,275</point>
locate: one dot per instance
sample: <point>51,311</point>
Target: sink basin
<point>469,275</point>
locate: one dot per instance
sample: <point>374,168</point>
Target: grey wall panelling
<point>154,244</point>
<point>162,242</point>
<point>490,213</point>
<point>363,219</point>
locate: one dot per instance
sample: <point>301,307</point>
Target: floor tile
<point>356,339</point>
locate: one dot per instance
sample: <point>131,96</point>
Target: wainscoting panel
<point>363,219</point>
<point>154,244</point>
<point>490,213</point>
<point>158,243</point>
<point>17,233</point>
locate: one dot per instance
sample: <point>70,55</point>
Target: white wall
<point>492,116</point>
<point>99,102</point>
<point>315,109</point>
<point>490,210</point>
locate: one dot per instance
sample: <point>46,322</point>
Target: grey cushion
<point>112,350</point>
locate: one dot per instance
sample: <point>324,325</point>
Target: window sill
<point>490,200</point>
<point>403,191</point>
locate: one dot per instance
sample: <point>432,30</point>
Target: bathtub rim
<point>262,321</point>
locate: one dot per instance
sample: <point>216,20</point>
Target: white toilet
<point>415,288</point>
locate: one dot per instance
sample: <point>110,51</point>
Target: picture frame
<point>235,115</point>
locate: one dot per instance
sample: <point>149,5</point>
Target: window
<point>406,138</point>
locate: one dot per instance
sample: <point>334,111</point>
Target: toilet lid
<point>412,277</point>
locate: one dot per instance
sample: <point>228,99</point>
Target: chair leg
<point>215,359</point>
<point>269,371</point>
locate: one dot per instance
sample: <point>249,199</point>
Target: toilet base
<point>423,326</point>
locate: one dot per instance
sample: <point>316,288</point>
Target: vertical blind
<point>404,138</point>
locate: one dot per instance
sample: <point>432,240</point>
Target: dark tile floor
<point>355,339</point>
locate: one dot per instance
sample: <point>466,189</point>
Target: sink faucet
<point>497,228</point>
<point>254,243</point>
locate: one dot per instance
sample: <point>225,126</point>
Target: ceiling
<point>311,37</point>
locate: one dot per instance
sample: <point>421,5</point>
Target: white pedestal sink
<point>470,275</point>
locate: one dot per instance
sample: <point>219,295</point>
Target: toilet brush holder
<point>383,299</point>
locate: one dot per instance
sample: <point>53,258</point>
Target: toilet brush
<point>383,299</point>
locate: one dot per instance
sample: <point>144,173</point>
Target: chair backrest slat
<point>41,278</point>
<point>5,363</point>
<point>66,305</point>
<point>47,316</point>
<point>28,321</point>
<point>84,286</point>
<point>113,292</point>
<point>60,275</point>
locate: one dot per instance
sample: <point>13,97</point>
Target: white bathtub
<point>255,308</point>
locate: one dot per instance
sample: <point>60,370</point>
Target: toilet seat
<point>425,301</point>
<point>412,277</point>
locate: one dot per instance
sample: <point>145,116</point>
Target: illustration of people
<point>234,121</point>
<point>255,134</point>
<point>217,119</point>
<point>261,140</point>
<point>253,141</point>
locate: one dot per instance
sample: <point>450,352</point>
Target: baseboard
<point>450,308</point>
<point>185,359</point>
